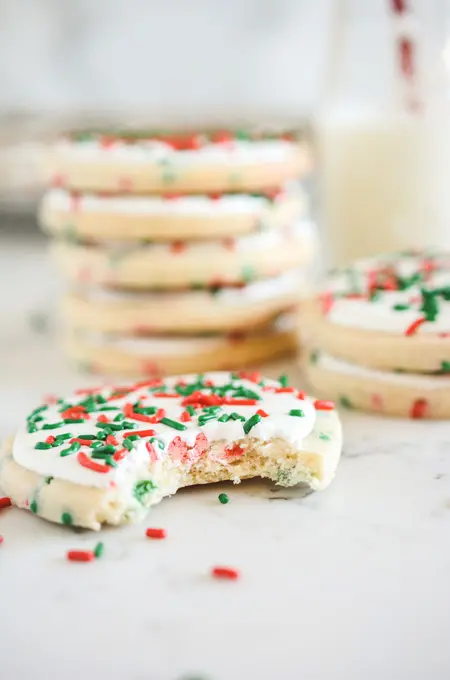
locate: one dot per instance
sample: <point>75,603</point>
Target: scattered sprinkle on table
<point>5,502</point>
<point>80,556</point>
<point>223,498</point>
<point>98,550</point>
<point>156,533</point>
<point>1,539</point>
<point>225,573</point>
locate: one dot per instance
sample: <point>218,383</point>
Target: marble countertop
<point>352,582</point>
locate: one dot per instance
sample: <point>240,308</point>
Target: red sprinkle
<point>83,442</point>
<point>50,439</point>
<point>1,540</point>
<point>156,533</point>
<point>327,301</point>
<point>282,390</point>
<point>5,502</point>
<point>185,417</point>
<point>110,439</point>
<point>234,450</point>
<point>177,247</point>
<point>151,451</point>
<point>119,455</point>
<point>102,419</point>
<point>50,399</point>
<point>86,462</point>
<point>165,395</point>
<point>253,376</point>
<point>418,409</point>
<point>262,413</point>
<point>301,395</point>
<point>412,328</point>
<point>321,405</point>
<point>225,573</point>
<point>80,556</point>
<point>139,433</point>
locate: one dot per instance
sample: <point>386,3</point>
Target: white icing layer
<point>297,430</point>
<point>204,206</point>
<point>420,381</point>
<point>266,289</point>
<point>379,314</point>
<point>235,152</point>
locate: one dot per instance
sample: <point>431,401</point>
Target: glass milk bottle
<point>384,132</point>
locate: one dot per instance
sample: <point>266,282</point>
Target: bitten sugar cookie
<point>170,217</point>
<point>183,264</point>
<point>193,311</point>
<point>390,312</point>
<point>155,356</point>
<point>104,456</point>
<point>192,163</point>
<point>397,394</point>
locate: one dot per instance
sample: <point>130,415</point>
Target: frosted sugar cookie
<point>390,312</point>
<point>184,264</point>
<point>170,217</point>
<point>104,456</point>
<point>399,394</point>
<point>187,163</point>
<point>163,355</point>
<point>192,311</point>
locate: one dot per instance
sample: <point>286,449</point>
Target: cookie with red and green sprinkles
<point>105,455</point>
<point>389,312</point>
<point>218,309</point>
<point>188,163</point>
<point>164,354</point>
<point>170,217</point>
<point>408,395</point>
<point>183,264</point>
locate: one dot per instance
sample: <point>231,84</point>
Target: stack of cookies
<point>183,252</point>
<point>379,335</point>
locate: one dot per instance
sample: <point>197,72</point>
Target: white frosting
<point>379,314</point>
<point>235,152</point>
<point>267,289</point>
<point>293,429</point>
<point>420,381</point>
<point>204,206</point>
<point>303,230</point>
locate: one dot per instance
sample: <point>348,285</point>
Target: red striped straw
<point>406,52</point>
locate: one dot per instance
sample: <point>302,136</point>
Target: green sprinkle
<point>108,408</point>
<point>445,367</point>
<point>223,498</point>
<point>101,399</point>
<point>91,437</point>
<point>297,412</point>
<point>34,506</point>
<point>133,437</point>
<point>236,416</point>
<point>158,441</point>
<point>69,421</point>
<point>64,436</point>
<point>283,380</point>
<point>32,428</point>
<point>127,444</point>
<point>143,488</point>
<point>108,449</point>
<point>345,401</point>
<point>190,410</point>
<point>173,423</point>
<point>42,445</point>
<point>401,307</point>
<point>325,437</point>
<point>430,306</point>
<point>52,426</point>
<point>110,461</point>
<point>225,418</point>
<point>48,480</point>
<point>116,427</point>
<point>245,394</point>
<point>119,417</point>
<point>73,448</point>
<point>251,422</point>
<point>37,410</point>
<point>98,550</point>
<point>146,411</point>
<point>67,519</point>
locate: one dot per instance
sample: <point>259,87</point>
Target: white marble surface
<point>352,583</point>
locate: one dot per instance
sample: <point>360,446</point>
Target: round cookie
<point>163,355</point>
<point>194,163</point>
<point>104,456</point>
<point>389,312</point>
<point>194,311</point>
<point>184,264</point>
<point>166,218</point>
<point>369,389</point>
